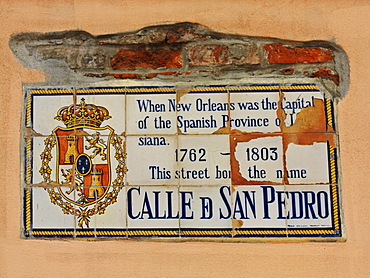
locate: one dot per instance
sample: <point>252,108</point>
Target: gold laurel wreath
<point>99,208</point>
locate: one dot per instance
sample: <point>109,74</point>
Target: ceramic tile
<point>256,159</point>
<point>203,160</point>
<point>37,146</point>
<point>151,112</point>
<point>307,158</point>
<point>254,111</point>
<point>259,207</point>
<point>108,215</point>
<point>115,215</point>
<point>81,180</point>
<point>303,111</point>
<point>112,110</point>
<point>311,210</point>
<point>46,215</point>
<point>45,193</point>
<point>45,109</point>
<point>205,207</point>
<point>203,110</point>
<point>152,210</point>
<point>106,177</point>
<point>151,160</point>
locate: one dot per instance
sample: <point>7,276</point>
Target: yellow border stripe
<point>153,233</point>
<point>335,207</point>
<point>111,233</point>
<point>252,88</point>
<point>28,109</point>
<point>28,160</point>
<point>150,90</point>
<point>210,89</point>
<point>273,87</point>
<point>206,232</point>
<point>52,91</point>
<point>333,169</point>
<point>310,232</point>
<point>329,112</point>
<point>104,90</point>
<point>85,233</point>
<point>28,210</point>
<point>53,233</point>
<point>299,87</point>
<point>263,232</point>
<point>172,90</point>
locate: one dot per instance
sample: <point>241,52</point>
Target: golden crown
<point>82,114</point>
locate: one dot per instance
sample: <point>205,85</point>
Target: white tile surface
<point>307,163</point>
<point>149,114</point>
<point>254,112</point>
<point>203,159</point>
<point>152,207</point>
<point>309,206</point>
<point>206,207</point>
<point>260,158</point>
<point>45,108</point>
<point>46,215</point>
<point>259,206</point>
<point>151,164</point>
<point>202,113</point>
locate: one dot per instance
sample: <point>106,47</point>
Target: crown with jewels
<point>82,114</point>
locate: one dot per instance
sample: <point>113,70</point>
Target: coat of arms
<point>85,183</point>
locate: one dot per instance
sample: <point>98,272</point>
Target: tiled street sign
<point>228,161</point>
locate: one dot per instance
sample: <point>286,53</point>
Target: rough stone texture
<point>242,54</point>
<point>183,51</point>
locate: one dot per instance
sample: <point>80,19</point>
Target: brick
<point>209,55</point>
<point>328,73</point>
<point>117,76</point>
<point>280,54</point>
<point>144,58</point>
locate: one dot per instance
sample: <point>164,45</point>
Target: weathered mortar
<point>178,52</point>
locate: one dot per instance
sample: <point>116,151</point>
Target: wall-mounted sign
<point>230,161</point>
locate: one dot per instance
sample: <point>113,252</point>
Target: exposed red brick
<point>117,76</point>
<point>328,73</point>
<point>280,54</point>
<point>209,55</point>
<point>144,58</point>
<point>288,71</point>
<point>183,35</point>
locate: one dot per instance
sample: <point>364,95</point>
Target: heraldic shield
<point>85,152</point>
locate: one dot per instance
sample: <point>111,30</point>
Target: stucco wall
<point>346,22</point>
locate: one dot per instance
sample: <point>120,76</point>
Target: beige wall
<point>347,22</point>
